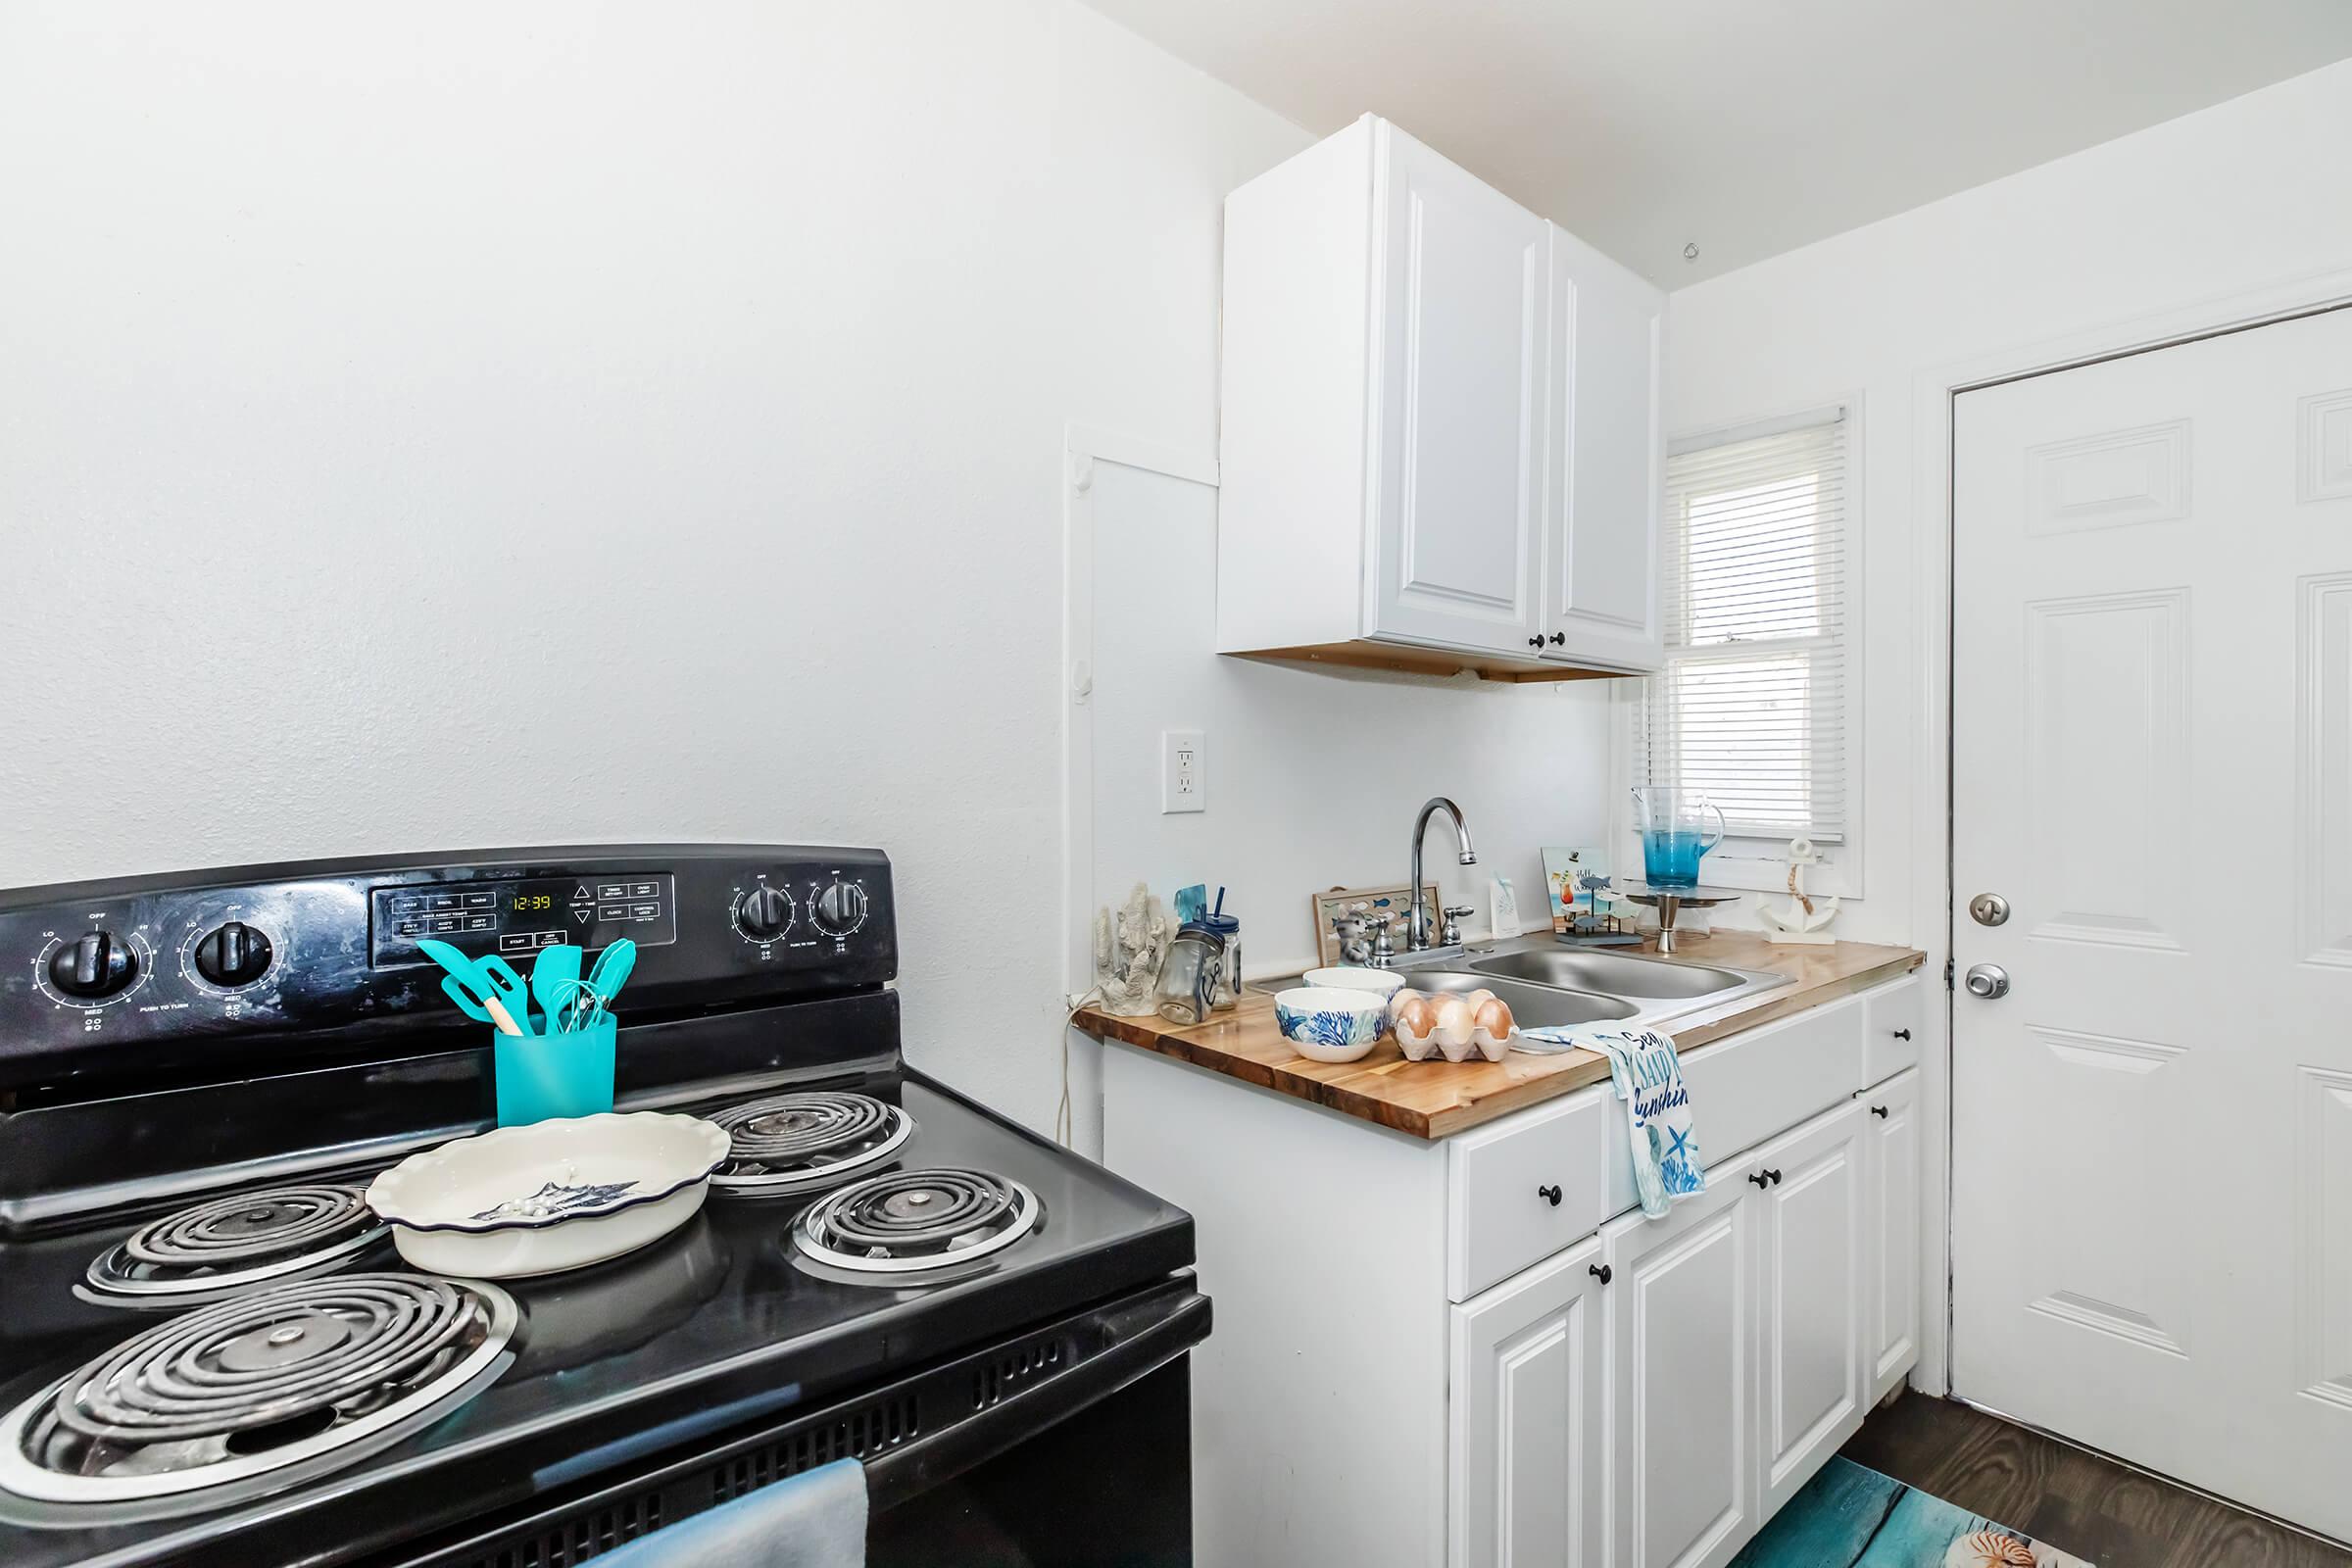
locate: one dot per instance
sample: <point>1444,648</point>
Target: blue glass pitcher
<point>1675,833</point>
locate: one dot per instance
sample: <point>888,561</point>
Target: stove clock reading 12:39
<point>766,914</point>
<point>522,916</point>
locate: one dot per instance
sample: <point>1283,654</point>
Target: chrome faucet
<point>1417,929</point>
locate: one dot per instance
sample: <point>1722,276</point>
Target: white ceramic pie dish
<point>555,1194</point>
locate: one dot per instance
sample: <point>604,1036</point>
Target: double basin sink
<point>1546,985</point>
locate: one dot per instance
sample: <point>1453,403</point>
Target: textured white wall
<point>447,426</point>
<point>2215,204</point>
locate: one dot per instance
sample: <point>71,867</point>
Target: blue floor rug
<point>1852,1517</point>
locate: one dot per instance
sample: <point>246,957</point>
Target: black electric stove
<point>197,1072</point>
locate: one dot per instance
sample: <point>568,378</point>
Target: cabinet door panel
<point>1461,365</point>
<point>1681,1300</point>
<point>1811,1291</point>
<point>1891,1252</point>
<point>1528,1463</point>
<point>1600,531</point>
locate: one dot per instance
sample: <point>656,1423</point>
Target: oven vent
<point>862,1432</point>
<point>1015,1369</point>
<point>575,1541</point>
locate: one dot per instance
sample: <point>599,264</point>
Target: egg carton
<point>1451,1038</point>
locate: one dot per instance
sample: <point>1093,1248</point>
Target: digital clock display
<point>517,917</point>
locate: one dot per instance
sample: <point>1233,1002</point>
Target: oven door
<point>1067,1444</point>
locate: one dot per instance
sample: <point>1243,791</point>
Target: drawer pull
<point>1600,1272</point>
<point>1902,1034</point>
<point>1776,1177</point>
<point>1551,1195</point>
<point>1762,1179</point>
<point>1879,1111</point>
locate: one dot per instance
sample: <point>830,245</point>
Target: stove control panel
<point>255,966</point>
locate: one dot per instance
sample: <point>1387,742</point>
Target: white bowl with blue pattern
<point>1325,1023</point>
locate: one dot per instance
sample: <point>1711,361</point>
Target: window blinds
<point>1750,706</point>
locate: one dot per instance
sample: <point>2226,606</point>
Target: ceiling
<point>1744,126</point>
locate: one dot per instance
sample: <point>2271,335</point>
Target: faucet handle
<point>1452,935</point>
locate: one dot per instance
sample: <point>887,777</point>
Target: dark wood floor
<point>2116,1517</point>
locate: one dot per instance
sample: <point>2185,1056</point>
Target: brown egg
<point>1453,1021</point>
<point>1493,1016</point>
<point>1412,1014</point>
<point>1478,999</point>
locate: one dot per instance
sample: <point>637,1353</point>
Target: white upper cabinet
<point>1606,462</point>
<point>1461,360</point>
<point>1439,442</point>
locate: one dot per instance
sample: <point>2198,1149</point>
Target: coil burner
<point>914,1227</point>
<point>799,1142</point>
<point>227,1245</point>
<point>249,1395</point>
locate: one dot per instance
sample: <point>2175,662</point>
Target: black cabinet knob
<point>1759,1178</point>
<point>1902,1034</point>
<point>1601,1272</point>
<point>1776,1177</point>
<point>1551,1195</point>
<point>1560,638</point>
<point>1534,642</point>
<point>1878,1110</point>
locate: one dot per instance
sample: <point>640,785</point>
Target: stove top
<point>726,1322</point>
<point>200,1072</point>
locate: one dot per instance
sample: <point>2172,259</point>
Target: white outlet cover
<point>1183,771</point>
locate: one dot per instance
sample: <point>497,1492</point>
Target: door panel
<point>2152,762</point>
<point>1682,1335</point>
<point>1529,1463</point>
<point>1462,365</point>
<point>1809,1323</point>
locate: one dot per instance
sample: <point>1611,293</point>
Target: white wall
<point>445,425</point>
<point>1315,779</point>
<point>2216,204</point>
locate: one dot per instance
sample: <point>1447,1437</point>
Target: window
<point>1751,705</point>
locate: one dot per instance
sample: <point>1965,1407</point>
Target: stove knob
<point>98,965</point>
<point>840,910</point>
<point>764,914</point>
<point>233,954</point>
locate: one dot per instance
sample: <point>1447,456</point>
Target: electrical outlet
<point>1183,770</point>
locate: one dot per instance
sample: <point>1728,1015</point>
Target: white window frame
<point>1755,864</point>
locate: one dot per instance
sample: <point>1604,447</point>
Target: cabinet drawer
<point>1746,1089</point>
<point>1500,1216</point>
<point>1893,1017</point>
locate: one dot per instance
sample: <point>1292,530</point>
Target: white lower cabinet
<point>1682,1331</point>
<point>1526,1456</point>
<point>1891,1136</point>
<point>1478,1353</point>
<point>1811,1297</point>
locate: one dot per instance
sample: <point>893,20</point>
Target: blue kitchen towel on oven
<point>1648,1077</point>
<point>815,1520</point>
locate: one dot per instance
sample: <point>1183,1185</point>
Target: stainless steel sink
<point>1533,1006</point>
<point>1615,973</point>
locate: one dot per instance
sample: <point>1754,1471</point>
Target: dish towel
<point>1648,1077</point>
<point>814,1520</point>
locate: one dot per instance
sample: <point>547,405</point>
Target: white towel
<point>815,1520</point>
<point>1649,1076</point>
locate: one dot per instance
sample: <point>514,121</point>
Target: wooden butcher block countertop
<point>1433,1099</point>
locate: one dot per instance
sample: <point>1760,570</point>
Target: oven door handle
<point>1151,1342</point>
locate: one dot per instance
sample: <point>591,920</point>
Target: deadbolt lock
<point>1988,909</point>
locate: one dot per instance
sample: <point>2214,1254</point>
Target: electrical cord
<point>1064,1124</point>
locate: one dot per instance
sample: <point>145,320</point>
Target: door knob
<point>1988,909</point>
<point>1987,980</point>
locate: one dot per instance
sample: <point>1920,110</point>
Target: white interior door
<point>2152,764</point>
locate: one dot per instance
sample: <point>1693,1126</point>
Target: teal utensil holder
<point>540,1077</point>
